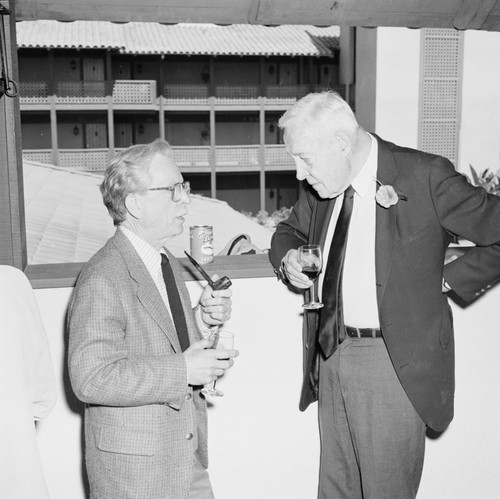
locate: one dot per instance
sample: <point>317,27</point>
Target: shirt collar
<point>149,255</point>
<point>364,182</point>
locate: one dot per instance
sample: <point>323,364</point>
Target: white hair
<point>324,109</point>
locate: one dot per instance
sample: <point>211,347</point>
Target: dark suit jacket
<point>411,239</point>
<point>125,363</point>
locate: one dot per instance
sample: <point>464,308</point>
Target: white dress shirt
<point>152,260</point>
<point>359,290</point>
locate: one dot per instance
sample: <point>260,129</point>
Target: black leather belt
<point>363,332</point>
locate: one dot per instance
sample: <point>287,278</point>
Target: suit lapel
<point>321,221</point>
<point>146,290</point>
<point>385,220</point>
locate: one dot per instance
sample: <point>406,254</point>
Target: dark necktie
<point>331,322</point>
<point>174,299</point>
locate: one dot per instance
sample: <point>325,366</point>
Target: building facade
<point>215,93</point>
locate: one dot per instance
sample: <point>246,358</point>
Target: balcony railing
<point>90,92</point>
<point>34,92</point>
<point>89,160</point>
<point>81,92</point>
<point>192,156</point>
<point>38,156</point>
<point>226,157</point>
<point>241,94</point>
<point>135,92</point>
<point>277,155</point>
<point>186,94</point>
<point>237,155</point>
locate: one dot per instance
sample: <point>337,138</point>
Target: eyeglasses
<point>177,190</point>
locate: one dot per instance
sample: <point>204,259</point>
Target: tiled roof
<point>66,220</point>
<point>188,39</point>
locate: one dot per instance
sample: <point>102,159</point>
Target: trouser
<point>372,439</point>
<point>200,487</point>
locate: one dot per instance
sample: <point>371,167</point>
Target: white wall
<point>261,446</point>
<point>398,79</point>
<point>464,462</point>
<point>480,124</point>
<point>398,69</point>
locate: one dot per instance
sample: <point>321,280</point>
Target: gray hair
<point>323,109</point>
<point>128,172</point>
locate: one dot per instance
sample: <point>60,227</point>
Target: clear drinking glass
<point>222,340</point>
<point>311,259</point>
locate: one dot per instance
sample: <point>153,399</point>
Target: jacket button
<point>189,436</point>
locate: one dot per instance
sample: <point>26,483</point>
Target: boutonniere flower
<point>386,196</point>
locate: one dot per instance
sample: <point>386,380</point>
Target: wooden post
<point>109,98</point>
<point>161,98</point>
<point>13,249</point>
<point>262,153</point>
<point>365,87</point>
<point>54,141</point>
<point>213,155</point>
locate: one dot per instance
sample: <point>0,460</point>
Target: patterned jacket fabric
<point>143,422</point>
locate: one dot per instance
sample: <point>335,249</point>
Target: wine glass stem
<point>315,291</point>
<point>214,346</point>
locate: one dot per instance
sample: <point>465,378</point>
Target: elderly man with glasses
<point>137,353</point>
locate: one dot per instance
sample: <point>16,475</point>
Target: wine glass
<point>312,261</point>
<point>222,340</point>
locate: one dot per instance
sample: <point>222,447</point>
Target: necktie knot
<point>349,192</point>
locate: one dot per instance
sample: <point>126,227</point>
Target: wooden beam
<point>168,11</point>
<point>12,228</point>
<point>367,13</point>
<point>253,11</point>
<point>492,23</point>
<point>472,14</point>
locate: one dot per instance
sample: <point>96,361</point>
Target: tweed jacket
<point>126,365</point>
<point>410,243</point>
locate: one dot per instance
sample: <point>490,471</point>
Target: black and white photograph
<point>249,249</point>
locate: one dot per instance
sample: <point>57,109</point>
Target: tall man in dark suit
<point>136,354</point>
<point>379,356</point>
